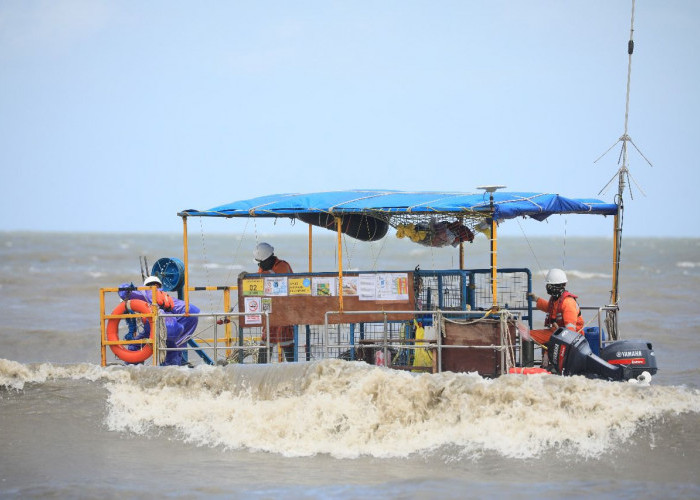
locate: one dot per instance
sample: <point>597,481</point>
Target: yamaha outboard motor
<point>637,355</point>
<point>570,354</point>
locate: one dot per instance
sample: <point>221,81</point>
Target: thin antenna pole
<point>624,172</point>
<point>623,175</point>
<point>630,51</point>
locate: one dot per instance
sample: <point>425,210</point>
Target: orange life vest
<point>560,313</point>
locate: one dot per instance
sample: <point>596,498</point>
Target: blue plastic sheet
<point>507,205</point>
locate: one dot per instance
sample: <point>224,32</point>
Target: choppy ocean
<point>332,429</point>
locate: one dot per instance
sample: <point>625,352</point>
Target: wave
<point>15,376</point>
<point>214,265</point>
<point>586,275</point>
<point>686,264</point>
<point>583,275</point>
<point>351,409</point>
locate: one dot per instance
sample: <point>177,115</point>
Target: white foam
<point>14,375</point>
<point>582,275</point>
<point>687,264</point>
<point>351,409</point>
<point>215,265</point>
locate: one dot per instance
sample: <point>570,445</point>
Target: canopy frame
<point>397,207</point>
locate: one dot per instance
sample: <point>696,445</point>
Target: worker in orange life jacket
<point>562,308</point>
<point>268,263</point>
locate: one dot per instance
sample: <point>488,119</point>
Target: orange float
<point>532,370</point>
<point>138,306</point>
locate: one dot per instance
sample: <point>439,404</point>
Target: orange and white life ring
<point>121,351</point>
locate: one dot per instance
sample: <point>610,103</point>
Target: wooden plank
<point>487,362</point>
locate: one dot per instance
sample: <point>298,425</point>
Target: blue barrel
<point>594,336</point>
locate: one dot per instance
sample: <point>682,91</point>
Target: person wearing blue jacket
<point>179,329</point>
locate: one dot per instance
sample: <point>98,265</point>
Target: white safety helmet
<point>556,277</point>
<point>152,280</point>
<point>263,251</point>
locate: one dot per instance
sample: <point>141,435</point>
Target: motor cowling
<point>570,354</point>
<point>637,355</point>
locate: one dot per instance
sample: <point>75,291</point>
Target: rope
<point>530,247</point>
<point>505,340</point>
<point>375,258</point>
<point>162,337</point>
<point>348,252</point>
<point>237,252</point>
<point>467,322</point>
<point>206,260</point>
<point>563,257</point>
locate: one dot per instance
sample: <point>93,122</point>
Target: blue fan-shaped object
<point>171,273</point>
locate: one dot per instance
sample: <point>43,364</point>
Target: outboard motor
<point>570,354</point>
<point>637,355</point>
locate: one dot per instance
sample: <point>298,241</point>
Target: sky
<point>116,115</point>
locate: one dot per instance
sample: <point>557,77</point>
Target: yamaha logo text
<point>628,354</point>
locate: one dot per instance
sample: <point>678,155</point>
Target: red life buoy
<point>527,371</point>
<point>121,351</point>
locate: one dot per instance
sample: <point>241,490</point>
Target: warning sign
<point>299,286</point>
<point>253,307</point>
<point>276,286</point>
<point>253,287</point>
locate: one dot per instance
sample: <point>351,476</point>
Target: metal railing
<point>237,344</point>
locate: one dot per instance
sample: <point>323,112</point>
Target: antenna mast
<point>623,174</point>
<point>623,179</point>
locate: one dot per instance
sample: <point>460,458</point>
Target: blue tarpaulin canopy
<point>386,204</point>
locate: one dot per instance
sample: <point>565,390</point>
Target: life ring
<point>533,370</point>
<point>121,351</point>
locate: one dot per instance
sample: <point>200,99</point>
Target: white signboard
<point>253,307</point>
<point>276,286</point>
<point>383,286</point>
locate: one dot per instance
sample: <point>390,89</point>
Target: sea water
<point>334,429</point>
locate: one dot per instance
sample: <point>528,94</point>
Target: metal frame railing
<point>440,316</point>
<point>609,322</point>
<point>246,342</point>
<point>155,317</point>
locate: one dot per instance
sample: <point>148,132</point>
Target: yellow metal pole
<point>613,295</point>
<point>311,250</point>
<point>494,245</point>
<point>494,264</point>
<point>227,327</point>
<point>184,258</point>
<point>103,347</point>
<point>154,325</point>
<point>339,225</point>
<point>461,249</point>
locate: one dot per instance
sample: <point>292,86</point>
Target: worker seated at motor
<point>179,329</point>
<point>562,308</point>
